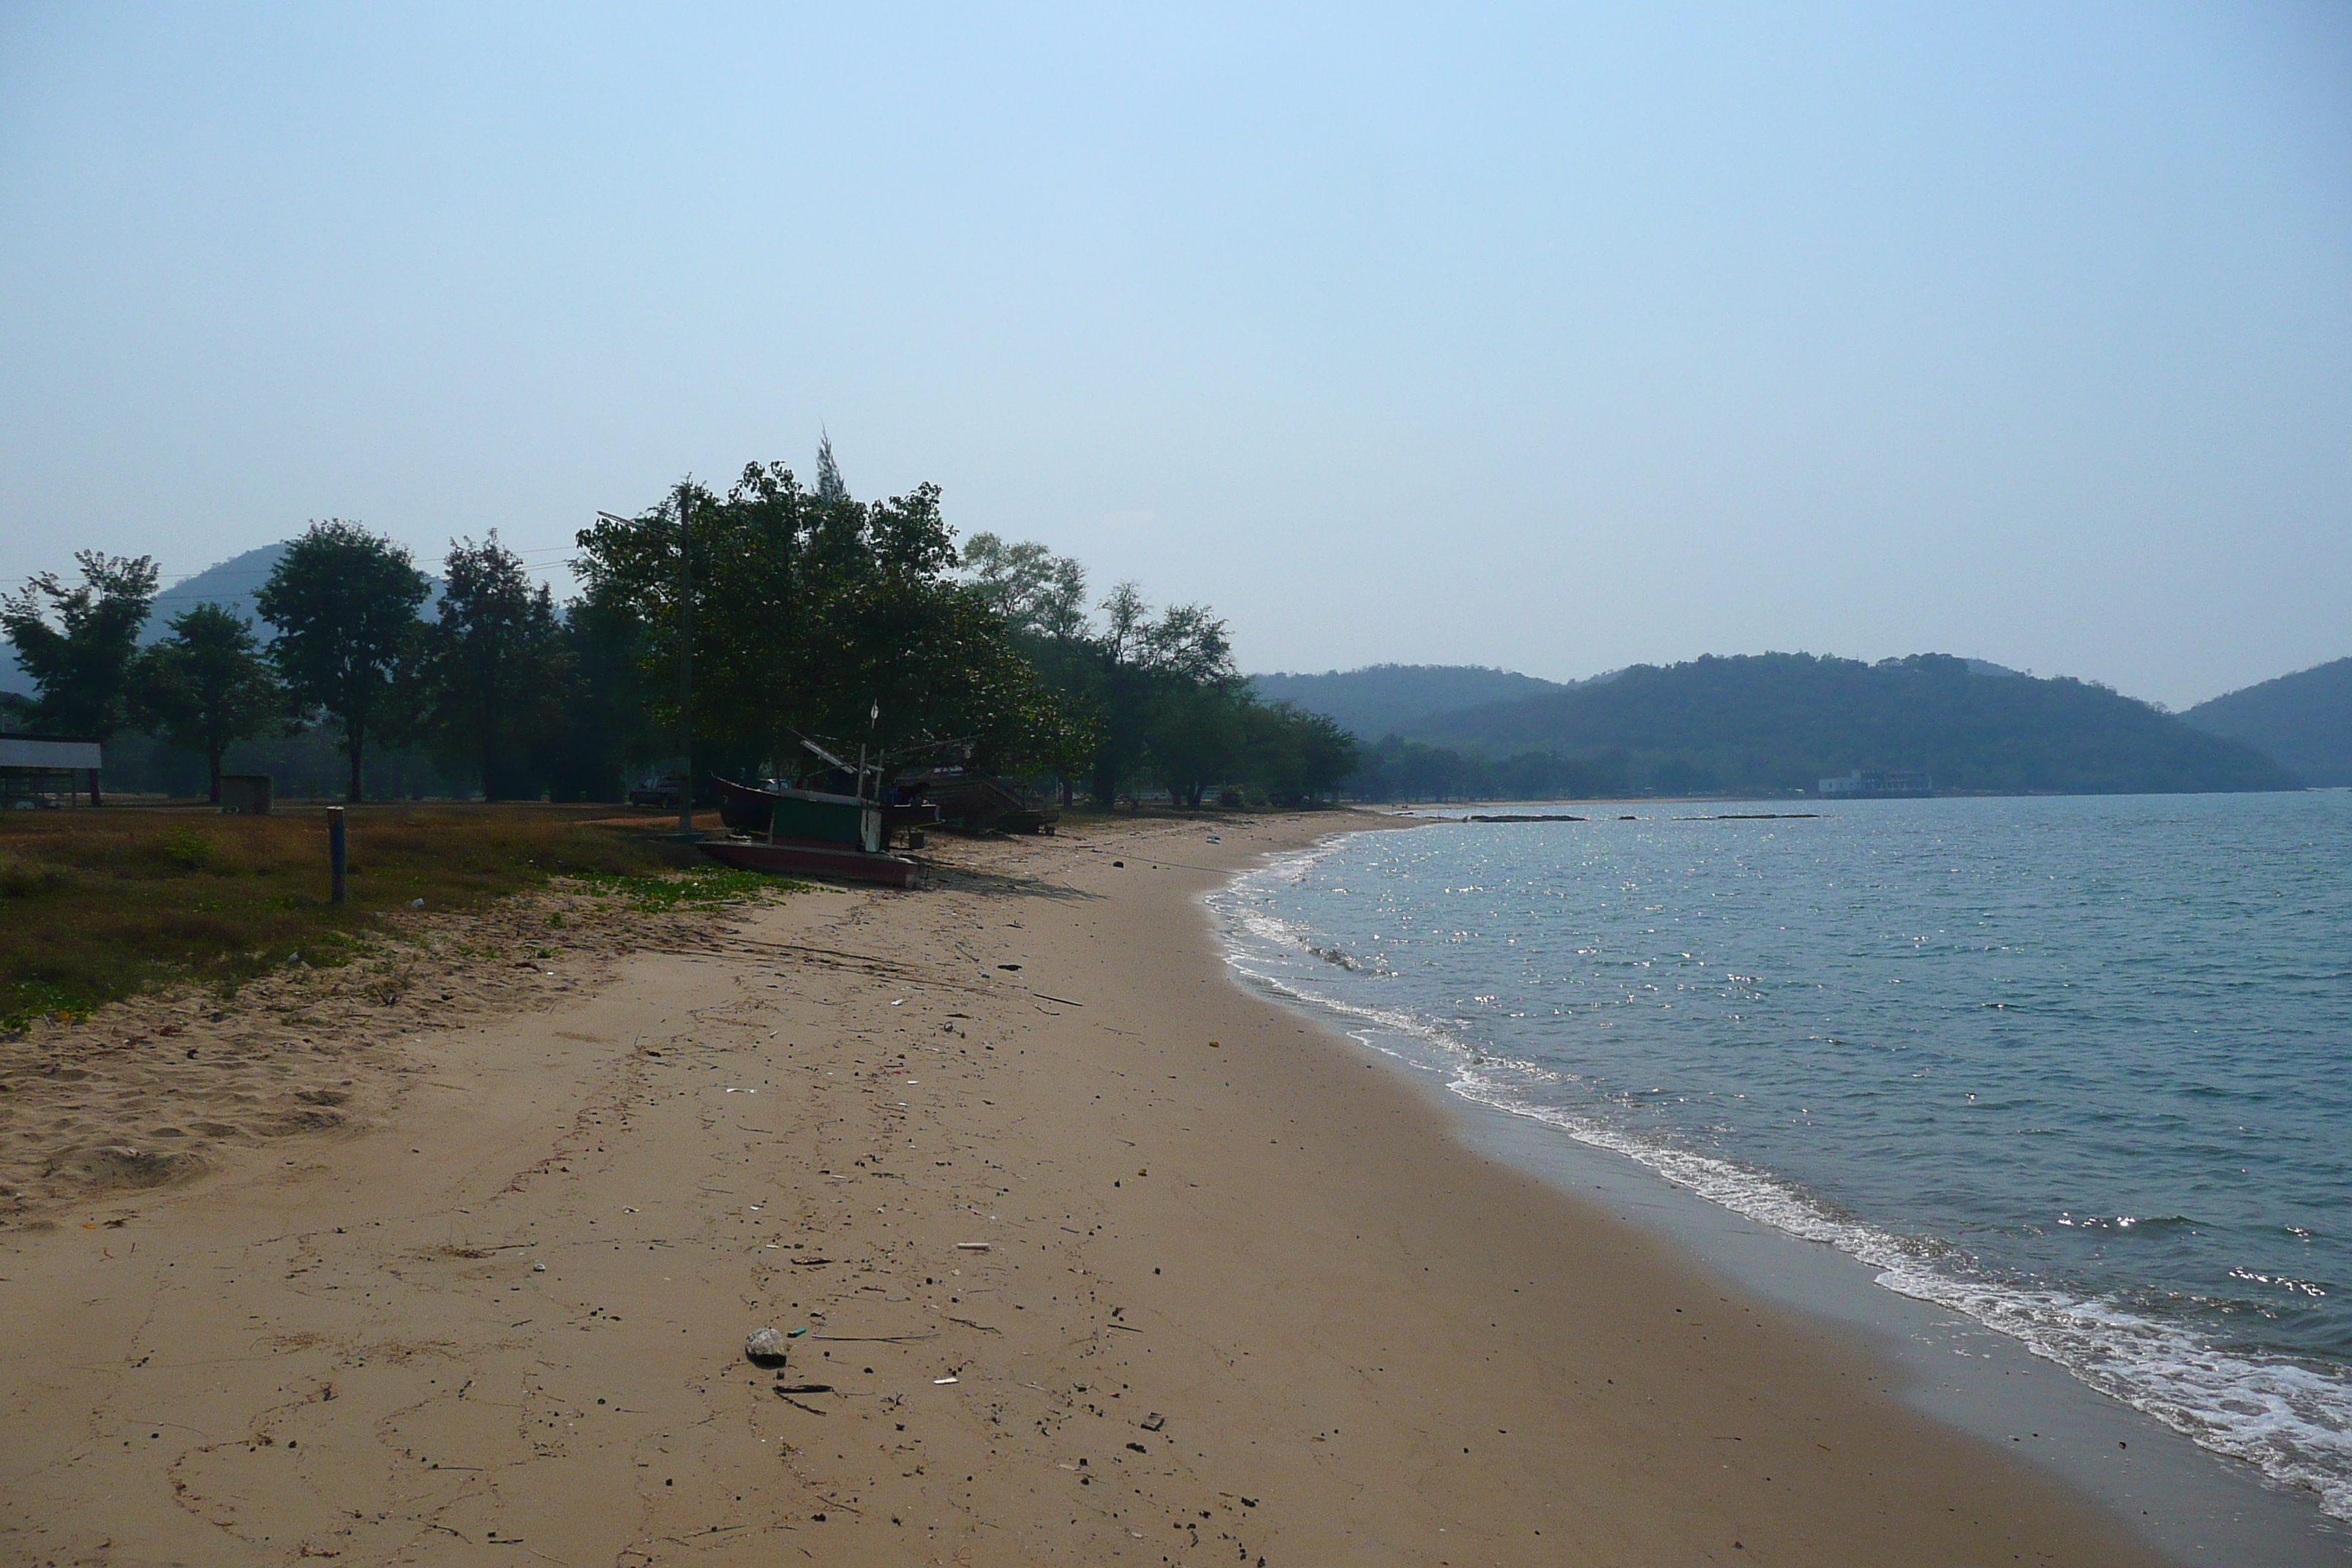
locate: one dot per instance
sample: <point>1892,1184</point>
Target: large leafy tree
<point>1197,737</point>
<point>937,658</point>
<point>607,727</point>
<point>206,685</point>
<point>1164,680</point>
<point>748,552</point>
<point>344,603</point>
<point>1294,755</point>
<point>81,660</point>
<point>812,611</point>
<point>492,670</point>
<point>1165,699</point>
<point>1041,596</point>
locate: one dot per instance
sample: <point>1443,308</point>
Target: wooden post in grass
<point>336,858</point>
<point>686,653</point>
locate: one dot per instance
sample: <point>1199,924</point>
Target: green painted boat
<point>813,817</point>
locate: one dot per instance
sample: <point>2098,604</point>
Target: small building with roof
<point>1888,783</point>
<point>37,769</point>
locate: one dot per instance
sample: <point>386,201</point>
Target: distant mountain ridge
<point>1381,699</point>
<point>1781,722</point>
<point>231,584</point>
<point>2303,719</point>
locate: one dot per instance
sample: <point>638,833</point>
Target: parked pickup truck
<point>663,792</point>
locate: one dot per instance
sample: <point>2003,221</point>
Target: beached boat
<point>977,804</point>
<point>802,857</point>
<point>741,808</point>
<point>809,833</point>
<point>802,814</point>
<point>745,809</point>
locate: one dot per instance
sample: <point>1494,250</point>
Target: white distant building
<point>1890,783</point>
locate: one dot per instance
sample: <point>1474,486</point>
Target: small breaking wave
<point>2291,1420</point>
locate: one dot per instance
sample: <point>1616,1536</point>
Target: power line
<point>175,579</point>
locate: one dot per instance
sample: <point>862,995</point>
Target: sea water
<point>2078,1069</point>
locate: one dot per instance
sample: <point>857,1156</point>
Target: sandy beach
<point>1084,1254</point>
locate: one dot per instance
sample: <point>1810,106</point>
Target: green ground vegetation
<point>96,905</point>
<point>693,888</point>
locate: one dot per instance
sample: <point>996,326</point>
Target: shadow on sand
<point>952,879</point>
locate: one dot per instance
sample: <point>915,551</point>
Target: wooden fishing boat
<point>748,810</point>
<point>741,808</point>
<point>971,801</point>
<point>814,816</point>
<point>810,833</point>
<point>914,816</point>
<point>804,858</point>
<point>977,804</point>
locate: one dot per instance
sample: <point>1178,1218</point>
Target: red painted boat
<point>806,858</point>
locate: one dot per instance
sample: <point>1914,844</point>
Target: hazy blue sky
<point>1556,338</point>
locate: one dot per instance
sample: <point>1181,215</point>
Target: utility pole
<point>683,499</point>
<point>686,652</point>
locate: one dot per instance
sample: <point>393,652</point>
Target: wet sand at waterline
<point>1071,1284</point>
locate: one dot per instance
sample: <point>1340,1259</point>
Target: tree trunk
<point>355,736</point>
<point>491,761</point>
<point>212,759</point>
<point>94,799</point>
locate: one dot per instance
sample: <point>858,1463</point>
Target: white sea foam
<point>2291,1420</point>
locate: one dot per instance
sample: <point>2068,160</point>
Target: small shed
<point>36,768</point>
<point>245,794</point>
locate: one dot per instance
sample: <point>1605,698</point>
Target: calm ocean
<point>2079,1068</point>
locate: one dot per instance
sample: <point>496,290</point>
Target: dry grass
<point>96,905</point>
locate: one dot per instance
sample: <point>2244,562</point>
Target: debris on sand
<point>119,1166</point>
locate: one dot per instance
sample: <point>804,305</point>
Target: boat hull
<point>810,817</point>
<point>802,857</point>
<point>901,818</point>
<point>742,808</point>
<point>826,818</point>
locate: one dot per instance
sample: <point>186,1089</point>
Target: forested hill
<point>2305,720</point>
<point>232,583</point>
<point>1781,721</point>
<point>1386,698</point>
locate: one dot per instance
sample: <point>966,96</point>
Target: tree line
<point>806,614</point>
<point>1394,768</point>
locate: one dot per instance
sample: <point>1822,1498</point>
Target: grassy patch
<point>717,885</point>
<point>96,905</point>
